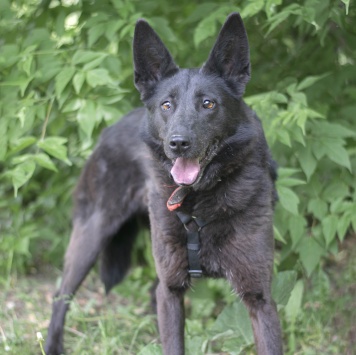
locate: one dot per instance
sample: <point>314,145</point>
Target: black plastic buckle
<point>196,273</point>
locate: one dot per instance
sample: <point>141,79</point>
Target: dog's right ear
<point>152,61</point>
<point>230,56</point>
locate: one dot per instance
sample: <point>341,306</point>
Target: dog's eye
<point>166,106</point>
<point>208,104</point>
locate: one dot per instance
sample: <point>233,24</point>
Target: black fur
<point>195,130</point>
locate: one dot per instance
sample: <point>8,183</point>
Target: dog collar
<point>177,197</point>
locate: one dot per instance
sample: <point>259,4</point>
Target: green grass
<point>123,323</point>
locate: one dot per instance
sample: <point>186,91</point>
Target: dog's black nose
<point>179,144</point>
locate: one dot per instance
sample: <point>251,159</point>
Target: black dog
<point>195,160</point>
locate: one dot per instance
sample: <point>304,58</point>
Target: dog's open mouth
<point>188,171</point>
<point>185,171</point>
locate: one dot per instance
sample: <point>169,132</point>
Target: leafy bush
<point>66,72</point>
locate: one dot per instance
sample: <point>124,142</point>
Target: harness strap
<point>193,243</point>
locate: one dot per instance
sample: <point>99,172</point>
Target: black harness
<point>193,229</point>
<point>193,241</point>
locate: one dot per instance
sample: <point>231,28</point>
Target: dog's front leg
<point>248,264</point>
<point>265,324</point>
<point>170,312</point>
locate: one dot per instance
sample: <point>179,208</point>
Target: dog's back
<point>113,184</point>
<point>114,177</point>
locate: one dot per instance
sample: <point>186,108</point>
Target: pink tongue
<point>185,171</point>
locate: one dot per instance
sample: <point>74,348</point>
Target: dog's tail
<point>115,259</point>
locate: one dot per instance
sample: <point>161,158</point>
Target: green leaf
<point>73,105</point>
<point>332,130</point>
<point>87,117</point>
<point>151,349</point>
<point>161,25</point>
<point>294,305</point>
<point>269,98</point>
<point>307,160</point>
<point>45,161</point>
<point>329,227</point>
<point>252,8</point>
<point>21,174</point>
<point>270,7</point>
<point>95,63</point>
<point>22,115</point>
<point>318,207</point>
<point>336,152</point>
<point>317,149</point>
<point>353,216</point>
<point>288,199</point>
<point>27,64</point>
<point>339,205</point>
<point>9,55</point>
<point>310,253</point>
<point>22,143</point>
<point>205,29</point>
<point>62,79</point>
<point>78,81</point>
<point>97,77</point>
<point>234,345</point>
<point>281,16</point>
<point>234,317</point>
<point>310,80</point>
<point>336,189</point>
<point>283,137</point>
<point>278,236</point>
<point>298,136</point>
<point>200,11</point>
<point>282,285</point>
<point>289,182</point>
<point>4,138</point>
<point>286,172</point>
<point>21,158</point>
<point>55,146</point>
<point>24,85</point>
<point>343,225</point>
<point>82,57</point>
<point>296,225</point>
<point>297,98</point>
<point>109,113</point>
<point>95,32</point>
<point>112,28</point>
<point>22,246</point>
<point>193,344</point>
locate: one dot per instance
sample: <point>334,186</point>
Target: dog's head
<point>192,112</point>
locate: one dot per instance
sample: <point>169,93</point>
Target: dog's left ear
<point>230,56</point>
<point>152,61</point>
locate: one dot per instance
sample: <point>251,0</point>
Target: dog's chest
<point>216,247</point>
<point>217,240</point>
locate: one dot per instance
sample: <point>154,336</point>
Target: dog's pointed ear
<point>230,56</point>
<point>152,61</point>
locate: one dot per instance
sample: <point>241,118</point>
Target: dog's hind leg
<point>86,242</point>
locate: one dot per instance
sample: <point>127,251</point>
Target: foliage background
<point>66,72</point>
